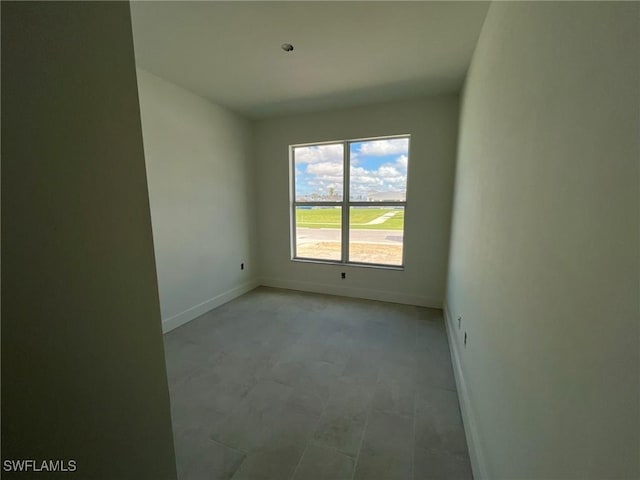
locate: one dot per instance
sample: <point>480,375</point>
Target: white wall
<point>544,252</point>
<point>83,374</point>
<point>432,124</point>
<point>197,157</point>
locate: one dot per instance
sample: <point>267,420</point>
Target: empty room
<point>321,240</point>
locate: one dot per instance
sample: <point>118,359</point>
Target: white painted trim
<point>476,454</point>
<point>201,308</point>
<point>370,294</point>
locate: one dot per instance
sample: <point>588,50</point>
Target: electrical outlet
<point>343,275</point>
<point>459,322</point>
<point>242,266</point>
<point>465,339</point>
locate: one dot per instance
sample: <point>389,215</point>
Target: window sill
<point>349,264</point>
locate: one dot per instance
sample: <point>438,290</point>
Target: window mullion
<point>345,202</point>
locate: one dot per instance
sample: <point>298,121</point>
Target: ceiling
<point>345,53</point>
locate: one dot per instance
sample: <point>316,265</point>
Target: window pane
<point>376,235</point>
<point>319,173</point>
<point>318,233</point>
<point>379,170</point>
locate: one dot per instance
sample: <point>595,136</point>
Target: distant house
<point>386,196</point>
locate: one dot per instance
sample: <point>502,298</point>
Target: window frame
<point>345,204</point>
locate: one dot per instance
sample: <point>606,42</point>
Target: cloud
<point>319,153</point>
<point>325,168</point>
<point>367,181</point>
<point>321,168</point>
<point>388,171</point>
<point>385,178</point>
<point>362,177</point>
<point>396,181</point>
<point>329,175</point>
<point>384,147</point>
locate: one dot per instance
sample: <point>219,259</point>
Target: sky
<point>376,166</point>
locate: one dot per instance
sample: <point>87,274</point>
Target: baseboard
<point>197,310</point>
<point>369,294</point>
<point>181,318</point>
<point>478,459</point>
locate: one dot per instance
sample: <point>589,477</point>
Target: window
<point>348,201</point>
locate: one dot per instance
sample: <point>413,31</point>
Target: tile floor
<point>279,385</point>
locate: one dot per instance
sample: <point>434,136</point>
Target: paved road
<point>312,235</point>
<point>382,218</point>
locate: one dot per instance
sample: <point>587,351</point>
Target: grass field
<point>331,218</point>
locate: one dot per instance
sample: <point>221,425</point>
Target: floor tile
<point>198,457</point>
<point>277,383</point>
<point>313,375</point>
<point>386,448</point>
<point>271,462</point>
<point>431,333</point>
<point>264,419</point>
<point>187,414</point>
<point>216,386</point>
<point>438,423</point>
<point>435,369</point>
<point>320,463</point>
<point>395,390</point>
<point>342,423</point>
<point>438,465</point>
<point>332,348</point>
<point>361,368</point>
<point>183,359</point>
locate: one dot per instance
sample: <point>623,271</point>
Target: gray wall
<point>544,252</point>
<point>83,374</point>
<point>197,157</point>
<point>432,124</point>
